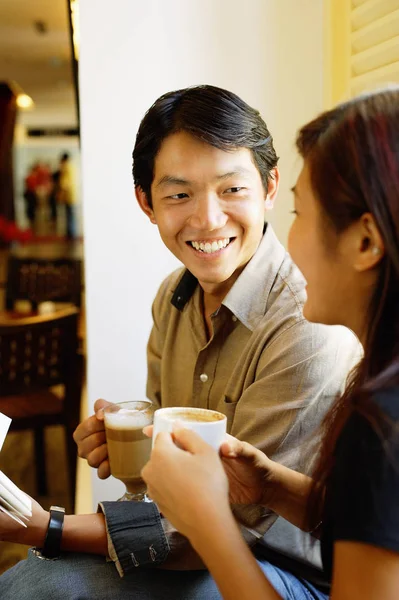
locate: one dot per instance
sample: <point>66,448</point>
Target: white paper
<point>9,507</point>
<point>12,515</point>
<point>13,502</point>
<point>15,491</point>
<point>5,423</point>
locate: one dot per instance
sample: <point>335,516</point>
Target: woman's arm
<point>228,558</point>
<point>364,572</point>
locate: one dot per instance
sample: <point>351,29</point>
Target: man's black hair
<point>211,114</point>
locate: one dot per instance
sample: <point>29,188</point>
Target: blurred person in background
<point>66,193</point>
<point>30,194</point>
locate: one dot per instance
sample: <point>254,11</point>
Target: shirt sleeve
<point>136,537</point>
<point>365,483</point>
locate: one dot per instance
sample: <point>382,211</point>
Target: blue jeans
<point>89,577</point>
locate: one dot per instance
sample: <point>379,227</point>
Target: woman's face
<point>324,257</point>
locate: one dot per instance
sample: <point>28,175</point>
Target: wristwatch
<point>52,543</point>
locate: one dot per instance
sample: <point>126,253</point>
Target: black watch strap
<point>52,543</point>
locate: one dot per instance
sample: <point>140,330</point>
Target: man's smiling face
<point>209,206</point>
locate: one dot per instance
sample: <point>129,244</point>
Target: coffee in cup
<point>210,425</point>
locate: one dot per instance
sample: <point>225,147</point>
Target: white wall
<point>267,51</point>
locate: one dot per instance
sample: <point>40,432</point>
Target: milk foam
<point>194,416</point>
<point>128,419</point>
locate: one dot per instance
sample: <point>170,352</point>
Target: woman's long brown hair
<point>352,153</point>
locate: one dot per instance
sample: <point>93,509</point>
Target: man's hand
<point>90,439</point>
<point>32,535</point>
<point>249,471</point>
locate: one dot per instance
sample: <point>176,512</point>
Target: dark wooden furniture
<point>41,381</point>
<point>41,280</point>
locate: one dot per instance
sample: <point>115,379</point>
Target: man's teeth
<point>209,247</point>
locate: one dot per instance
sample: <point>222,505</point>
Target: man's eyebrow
<point>237,171</point>
<point>171,180</point>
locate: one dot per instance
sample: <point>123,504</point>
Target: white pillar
<point>267,51</point>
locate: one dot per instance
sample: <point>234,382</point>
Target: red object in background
<point>10,232</point>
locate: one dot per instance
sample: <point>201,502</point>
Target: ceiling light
<point>24,101</point>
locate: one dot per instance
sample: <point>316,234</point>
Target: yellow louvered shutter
<point>362,47</point>
<point>374,41</point>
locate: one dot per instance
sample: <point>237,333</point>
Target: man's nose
<point>207,214</point>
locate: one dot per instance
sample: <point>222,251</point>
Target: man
<point>228,334</point>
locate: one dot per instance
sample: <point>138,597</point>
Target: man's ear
<point>370,245</point>
<point>272,188</point>
<point>145,206</point>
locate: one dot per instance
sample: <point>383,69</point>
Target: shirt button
<point>204,377</point>
<point>234,318</point>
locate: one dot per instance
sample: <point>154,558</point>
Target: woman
<point>345,239</point>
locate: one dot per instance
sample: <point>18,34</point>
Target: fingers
<point>86,428</point>
<point>163,441</point>
<point>99,406</point>
<point>89,443</point>
<point>234,448</point>
<point>148,431</point>
<point>97,456</point>
<point>190,441</point>
<point>104,470</point>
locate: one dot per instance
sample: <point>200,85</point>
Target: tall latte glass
<point>128,448</point>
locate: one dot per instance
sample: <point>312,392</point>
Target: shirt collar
<point>248,297</point>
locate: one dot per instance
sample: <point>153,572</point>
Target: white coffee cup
<point>210,425</point>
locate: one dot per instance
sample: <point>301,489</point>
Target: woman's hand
<point>187,482</point>
<point>249,471</point>
<point>33,534</point>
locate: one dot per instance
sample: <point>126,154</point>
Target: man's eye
<point>178,196</point>
<point>234,190</point>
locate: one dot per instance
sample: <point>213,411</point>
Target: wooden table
<point>59,307</point>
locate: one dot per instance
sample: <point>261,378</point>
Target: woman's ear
<point>144,204</point>
<point>370,245</point>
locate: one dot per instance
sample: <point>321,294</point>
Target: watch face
<point>58,508</point>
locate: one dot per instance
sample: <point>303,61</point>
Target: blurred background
<point>41,251</point>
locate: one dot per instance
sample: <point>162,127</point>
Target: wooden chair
<point>41,381</point>
<point>40,280</point>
